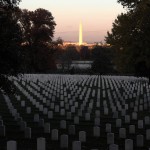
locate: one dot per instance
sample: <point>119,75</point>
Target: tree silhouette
<point>130,37</point>
<point>10,44</point>
<point>38,29</point>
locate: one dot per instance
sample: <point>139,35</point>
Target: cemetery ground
<point>76,112</point>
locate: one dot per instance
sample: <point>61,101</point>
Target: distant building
<point>81,65</point>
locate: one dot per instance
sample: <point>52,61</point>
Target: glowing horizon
<point>97,17</point>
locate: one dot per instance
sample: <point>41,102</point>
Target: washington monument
<point>80,34</point>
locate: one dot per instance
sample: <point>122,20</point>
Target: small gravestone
<point>108,127</point>
<point>45,111</point>
<point>113,147</point>
<point>57,108</point>
<point>37,104</point>
<point>110,138</point>
<point>140,124</point>
<point>27,133</point>
<point>73,109</point>
<point>140,108</point>
<point>139,140</point>
<point>87,116</point>
<point>115,115</point>
<point>127,119</point>
<point>36,117</point>
<point>47,128</point>
<point>23,125</point>
<point>97,121</point>
<point>63,124</point>
<point>48,103</point>
<point>71,129</point>
<point>50,114</point>
<point>96,131</point>
<point>76,120</point>
<point>62,104</point>
<point>28,110</point>
<point>134,116</point>
<point>22,103</point>
<point>62,112</point>
<point>11,145</point>
<point>41,143</point>
<point>52,106</point>
<point>128,144</point>
<point>67,106</point>
<point>105,111</point>
<point>148,134</point>
<point>64,141</point>
<point>41,107</point>
<point>123,112</point>
<point>82,136</point>
<point>80,113</point>
<point>118,123</point>
<point>147,120</point>
<point>54,135</point>
<point>97,113</point>
<point>2,131</point>
<point>132,129</point>
<point>122,133</point>
<point>69,115</point>
<point>76,145</point>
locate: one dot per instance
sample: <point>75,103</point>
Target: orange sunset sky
<point>96,16</point>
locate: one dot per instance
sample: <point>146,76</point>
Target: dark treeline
<point>101,56</point>
<point>130,38</point>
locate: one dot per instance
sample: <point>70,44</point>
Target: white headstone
<point>87,117</point>
<point>36,117</point>
<point>28,110</point>
<point>147,120</point>
<point>22,103</point>
<point>41,143</point>
<point>132,129</point>
<point>110,138</point>
<point>71,129</point>
<point>64,141</point>
<point>27,133</point>
<point>128,144</point>
<point>97,121</point>
<point>63,124</point>
<point>122,133</point>
<point>148,134</point>
<point>54,135</point>
<point>50,114</point>
<point>118,123</point>
<point>82,136</point>
<point>11,145</point>
<point>76,145</point>
<point>23,125</point>
<point>69,115</point>
<point>139,140</point>
<point>127,119</point>
<point>108,127</point>
<point>113,147</point>
<point>140,124</point>
<point>96,131</point>
<point>134,116</point>
<point>45,111</point>
<point>47,128</point>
